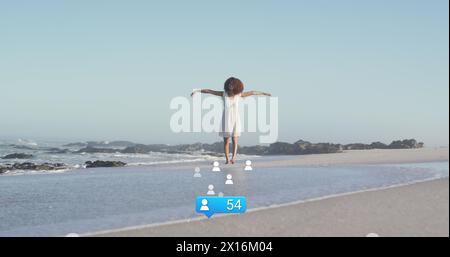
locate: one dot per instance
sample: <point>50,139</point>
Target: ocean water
<point>90,200</point>
<point>41,151</point>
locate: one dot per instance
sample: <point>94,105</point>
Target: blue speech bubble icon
<point>209,205</point>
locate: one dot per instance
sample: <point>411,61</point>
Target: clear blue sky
<point>344,71</point>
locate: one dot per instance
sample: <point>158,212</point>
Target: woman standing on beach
<point>231,124</point>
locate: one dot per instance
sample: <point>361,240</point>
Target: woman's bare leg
<point>226,148</point>
<point>235,146</point>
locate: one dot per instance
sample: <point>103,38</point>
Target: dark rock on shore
<point>297,148</point>
<point>184,148</point>
<point>140,148</point>
<point>97,150</point>
<point>3,169</point>
<point>137,149</point>
<point>397,144</point>
<point>316,148</point>
<point>98,164</point>
<point>22,147</point>
<point>305,147</point>
<point>357,146</point>
<point>279,148</point>
<point>282,148</point>
<point>76,145</point>
<point>57,151</point>
<point>302,147</point>
<point>405,144</point>
<point>118,144</point>
<point>378,145</point>
<point>100,144</point>
<point>32,166</point>
<point>214,147</point>
<point>121,144</point>
<point>253,150</point>
<point>18,156</point>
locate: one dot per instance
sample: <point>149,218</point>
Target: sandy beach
<point>419,209</point>
<point>375,156</point>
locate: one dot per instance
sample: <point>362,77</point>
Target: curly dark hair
<point>233,86</point>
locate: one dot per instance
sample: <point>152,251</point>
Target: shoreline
<point>275,216</point>
<point>347,157</point>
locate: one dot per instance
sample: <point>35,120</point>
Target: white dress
<point>231,121</point>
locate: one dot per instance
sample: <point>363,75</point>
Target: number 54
<point>231,205</point>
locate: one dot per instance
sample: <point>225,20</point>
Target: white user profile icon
<point>215,166</point>
<point>204,205</point>
<point>248,165</point>
<point>229,180</point>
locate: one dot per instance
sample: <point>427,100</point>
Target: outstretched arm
<point>250,93</point>
<point>208,91</point>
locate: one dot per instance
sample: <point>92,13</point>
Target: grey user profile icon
<point>72,235</point>
<point>197,173</point>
